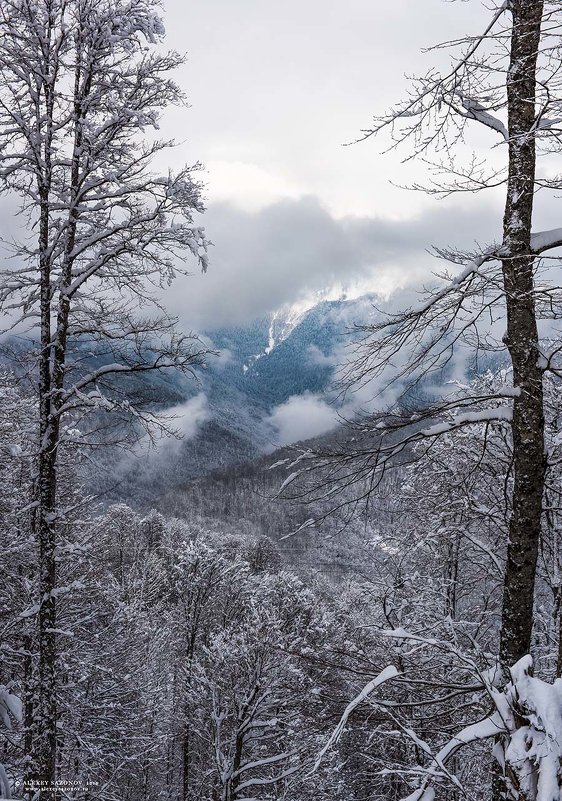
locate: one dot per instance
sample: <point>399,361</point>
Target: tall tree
<point>452,316</point>
<point>83,84</point>
<point>509,282</point>
<point>507,80</point>
<point>521,338</point>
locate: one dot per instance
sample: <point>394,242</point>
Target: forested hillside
<point>314,551</point>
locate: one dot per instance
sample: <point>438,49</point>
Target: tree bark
<point>522,337</point>
<point>42,767</point>
<point>43,758</point>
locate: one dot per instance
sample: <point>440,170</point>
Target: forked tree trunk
<point>51,382</point>
<point>42,766</point>
<point>64,176</point>
<point>522,337</point>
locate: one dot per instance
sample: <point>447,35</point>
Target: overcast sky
<point>276,88</point>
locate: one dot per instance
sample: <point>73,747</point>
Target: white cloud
<point>188,417</point>
<point>316,357</point>
<point>154,456</point>
<point>283,85</point>
<point>248,186</point>
<point>185,420</point>
<point>302,417</point>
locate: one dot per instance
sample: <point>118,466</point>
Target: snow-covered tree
<point>507,81</point>
<point>504,81</point>
<point>83,84</point>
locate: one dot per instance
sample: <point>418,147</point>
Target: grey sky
<point>277,86</point>
<point>275,89</point>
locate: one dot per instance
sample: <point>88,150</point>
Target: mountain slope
<point>272,359</point>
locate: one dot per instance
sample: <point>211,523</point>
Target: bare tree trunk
<point>452,575</point>
<point>43,761</point>
<point>45,714</point>
<point>43,740</point>
<point>27,645</point>
<point>522,337</point>
<point>51,382</point>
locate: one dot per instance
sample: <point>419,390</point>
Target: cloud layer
<point>295,248</point>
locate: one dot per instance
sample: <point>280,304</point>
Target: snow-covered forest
<point>313,554</point>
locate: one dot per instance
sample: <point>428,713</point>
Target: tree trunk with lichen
<point>521,339</point>
<point>521,336</point>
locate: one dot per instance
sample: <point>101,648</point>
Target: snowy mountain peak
<point>284,320</point>
<point>281,324</point>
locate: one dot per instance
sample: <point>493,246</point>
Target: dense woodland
<point>373,615</point>
<point>203,656</point>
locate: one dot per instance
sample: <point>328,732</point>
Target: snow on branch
<point>500,413</point>
<point>11,707</point>
<point>387,674</point>
<point>470,269</point>
<point>263,782</point>
<point>476,111</point>
<point>421,339</point>
<point>527,727</point>
<point>260,763</point>
<point>385,439</point>
<point>436,91</point>
<point>11,710</point>
<point>546,240</point>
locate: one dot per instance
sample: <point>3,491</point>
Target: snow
<point>5,792</point>
<point>271,336</point>
<point>387,674</point>
<point>11,707</point>
<point>471,268</point>
<point>477,112</point>
<point>527,726</point>
<point>283,321</point>
<point>288,480</point>
<point>500,413</point>
<point>278,464</point>
<point>546,123</point>
<point>545,240</point>
<point>307,524</point>
<point>535,747</point>
<point>427,794</point>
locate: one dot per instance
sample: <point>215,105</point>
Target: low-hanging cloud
<point>188,417</point>
<point>184,420</point>
<point>302,417</point>
<point>294,248</point>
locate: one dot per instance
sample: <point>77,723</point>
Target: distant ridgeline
<point>260,366</point>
